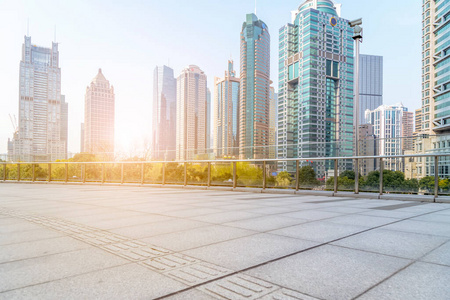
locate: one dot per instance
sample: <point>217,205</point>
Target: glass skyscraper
<point>315,94</point>
<point>255,89</point>
<point>164,114</point>
<point>226,114</point>
<point>39,132</point>
<point>370,84</point>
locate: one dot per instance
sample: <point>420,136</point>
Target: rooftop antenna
<point>28,26</point>
<point>55,34</point>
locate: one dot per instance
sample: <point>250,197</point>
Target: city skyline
<point>129,92</point>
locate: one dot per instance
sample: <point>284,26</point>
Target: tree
<point>283,179</point>
<point>349,174</point>
<point>427,183</point>
<point>307,177</point>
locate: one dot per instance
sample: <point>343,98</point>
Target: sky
<point>127,39</point>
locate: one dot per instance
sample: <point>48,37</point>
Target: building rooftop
<point>113,242</point>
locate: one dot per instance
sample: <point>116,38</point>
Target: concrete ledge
<point>195,187</point>
<point>279,191</point>
<point>421,198</point>
<point>314,193</point>
<point>248,189</point>
<point>360,195</point>
<point>220,188</point>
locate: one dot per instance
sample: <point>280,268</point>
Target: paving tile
<point>197,237</point>
<point>368,221</point>
<point>418,281</point>
<point>18,227</point>
<point>319,231</point>
<point>157,228</point>
<point>123,282</point>
<point>432,228</point>
<point>439,256</point>
<point>130,221</point>
<point>39,248</point>
<point>311,215</point>
<point>193,294</point>
<point>192,212</point>
<point>248,251</point>
<point>434,217</point>
<point>344,209</point>
<point>27,236</point>
<point>330,272</point>
<point>395,243</point>
<point>271,210</point>
<point>27,272</point>
<point>226,216</point>
<point>266,223</point>
<point>389,214</point>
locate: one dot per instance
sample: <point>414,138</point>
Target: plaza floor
<point>121,242</point>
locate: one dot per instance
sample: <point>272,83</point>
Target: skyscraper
<point>191,113</point>
<point>273,120</point>
<point>391,123</point>
<point>226,114</point>
<point>39,134</point>
<point>164,113</point>
<point>370,84</point>
<point>64,122</point>
<point>208,121</point>
<point>315,94</point>
<point>254,91</point>
<point>99,117</point>
<point>82,138</point>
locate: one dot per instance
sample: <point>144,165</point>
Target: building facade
<point>273,123</point>
<point>254,89</point>
<point>191,136</point>
<point>64,123</point>
<point>164,114</point>
<point>99,117</point>
<point>315,92</point>
<point>370,84</point>
<point>368,147</point>
<point>39,130</point>
<point>226,114</point>
<point>392,126</point>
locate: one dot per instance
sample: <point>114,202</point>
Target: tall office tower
<point>368,147</point>
<point>191,114</point>
<point>39,132</point>
<point>391,123</point>
<point>370,84</point>
<point>64,122</point>
<point>254,90</point>
<point>208,121</point>
<point>164,113</point>
<point>226,114</point>
<point>82,138</point>
<point>315,93</point>
<point>435,66</point>
<point>99,117</point>
<point>273,120</point>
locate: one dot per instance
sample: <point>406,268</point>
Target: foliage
<point>307,177</point>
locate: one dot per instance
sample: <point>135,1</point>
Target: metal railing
<point>62,171</point>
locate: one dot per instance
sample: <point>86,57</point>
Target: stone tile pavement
<point>115,242</point>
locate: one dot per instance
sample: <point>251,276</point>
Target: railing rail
<point>164,177</point>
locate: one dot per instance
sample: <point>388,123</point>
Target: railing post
<point>264,175</point>
<point>163,173</point>
<point>49,173</point>
<point>335,189</point>
<point>83,167</point>
<point>103,173</point>
<point>297,172</point>
<point>234,175</point>
<point>381,175</point>
<point>209,174</point>
<point>67,173</point>
<point>436,177</point>
<point>121,173</point>
<point>4,172</point>
<point>356,176</point>
<point>185,173</point>
<point>18,172</point>
<point>142,173</point>
<point>33,172</point>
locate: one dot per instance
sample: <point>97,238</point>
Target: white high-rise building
<point>39,130</point>
<point>191,114</point>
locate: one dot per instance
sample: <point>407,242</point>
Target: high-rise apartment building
<point>370,84</point>
<point>254,90</point>
<point>191,114</point>
<point>273,123</point>
<point>82,138</point>
<point>226,114</point>
<point>208,122</point>
<point>391,123</point>
<point>315,92</point>
<point>418,123</point>
<point>99,117</point>
<point>39,132</point>
<point>164,114</point>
